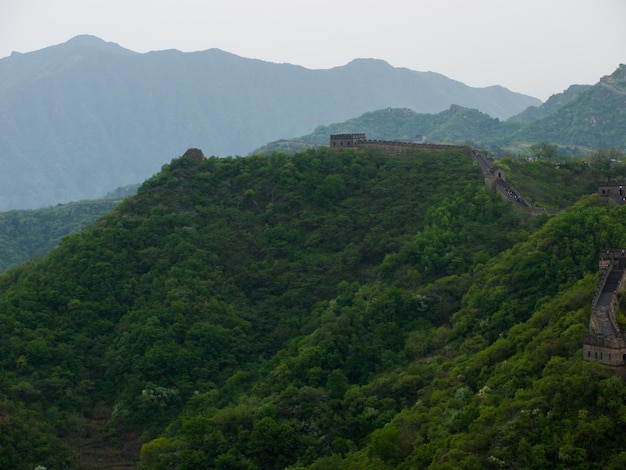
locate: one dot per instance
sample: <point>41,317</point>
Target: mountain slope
<point>533,113</point>
<point>326,310</point>
<point>213,267</point>
<point>527,400</point>
<point>596,118</point>
<point>86,116</point>
<point>504,386</point>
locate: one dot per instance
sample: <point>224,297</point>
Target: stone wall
<point>359,140</point>
<point>404,148</point>
<point>342,141</point>
<point>612,190</point>
<point>607,351</point>
<point>605,343</point>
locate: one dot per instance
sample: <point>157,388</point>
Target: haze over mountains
<point>81,118</point>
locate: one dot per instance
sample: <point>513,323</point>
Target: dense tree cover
<point>326,310</point>
<point>595,119</point>
<point>557,183</point>
<point>26,234</point>
<point>498,384</point>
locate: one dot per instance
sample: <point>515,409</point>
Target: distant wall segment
<point>346,141</point>
<point>360,140</point>
<point>494,176</point>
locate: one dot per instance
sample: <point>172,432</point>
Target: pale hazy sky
<point>536,47</point>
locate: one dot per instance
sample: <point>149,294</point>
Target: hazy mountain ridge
<point>595,118</point>
<point>553,103</point>
<point>86,116</point>
<point>581,120</point>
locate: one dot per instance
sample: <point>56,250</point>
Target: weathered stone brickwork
<point>343,141</point>
<point>612,190</point>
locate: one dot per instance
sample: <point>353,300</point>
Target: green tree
<point>544,151</point>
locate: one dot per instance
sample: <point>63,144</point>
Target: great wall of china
<point>605,343</point>
<point>494,176</point>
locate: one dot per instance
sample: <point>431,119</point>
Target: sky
<point>535,47</point>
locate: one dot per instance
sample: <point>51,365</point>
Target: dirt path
<point>99,449</point>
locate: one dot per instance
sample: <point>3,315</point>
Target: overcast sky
<point>536,47</point>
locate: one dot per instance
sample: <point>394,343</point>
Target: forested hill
<point>533,113</point>
<point>326,310</point>
<point>27,234</point>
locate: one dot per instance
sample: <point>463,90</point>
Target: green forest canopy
<point>325,310</point>
<point>27,234</point>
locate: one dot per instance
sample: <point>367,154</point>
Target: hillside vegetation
<point>550,184</point>
<point>27,234</point>
<point>324,311</point>
<point>559,182</point>
<point>533,113</point>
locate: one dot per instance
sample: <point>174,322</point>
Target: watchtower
<point>612,189</point>
<point>340,141</point>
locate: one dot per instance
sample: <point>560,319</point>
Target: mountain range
<point>317,310</point>
<point>81,118</point>
<point>579,120</point>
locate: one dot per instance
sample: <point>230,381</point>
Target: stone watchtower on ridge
<point>606,343</point>
<point>341,141</point>
<point>612,190</point>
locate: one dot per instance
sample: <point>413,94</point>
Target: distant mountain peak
<point>86,39</point>
<point>91,43</point>
<point>368,64</point>
<point>368,60</point>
